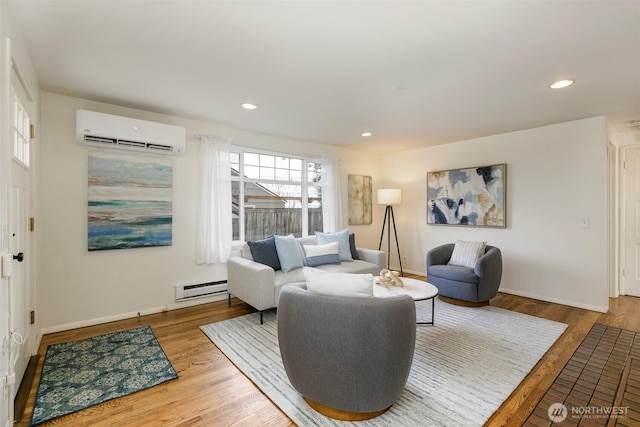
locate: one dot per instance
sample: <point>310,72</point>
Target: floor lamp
<point>390,197</point>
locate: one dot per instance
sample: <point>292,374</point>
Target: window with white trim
<point>21,132</point>
<point>274,193</point>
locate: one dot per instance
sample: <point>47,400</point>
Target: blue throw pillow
<point>342,237</point>
<point>352,246</point>
<point>264,252</point>
<point>289,253</point>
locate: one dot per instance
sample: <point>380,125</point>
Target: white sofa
<point>259,285</point>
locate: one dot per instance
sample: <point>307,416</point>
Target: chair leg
<point>229,294</point>
<point>261,320</point>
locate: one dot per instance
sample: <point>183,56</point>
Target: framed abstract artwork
<point>359,188</point>
<point>130,202</point>
<point>471,196</point>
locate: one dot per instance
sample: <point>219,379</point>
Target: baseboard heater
<point>187,292</point>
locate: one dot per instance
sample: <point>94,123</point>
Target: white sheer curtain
<point>214,232</point>
<point>331,199</point>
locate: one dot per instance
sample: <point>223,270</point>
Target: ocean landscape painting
<point>471,196</point>
<point>130,202</point>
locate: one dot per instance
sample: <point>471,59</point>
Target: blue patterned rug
<point>80,374</point>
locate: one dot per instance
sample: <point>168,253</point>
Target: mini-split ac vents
<point>124,133</point>
<point>187,292</point>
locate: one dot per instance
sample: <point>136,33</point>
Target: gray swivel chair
<point>468,286</point>
<point>349,357</point>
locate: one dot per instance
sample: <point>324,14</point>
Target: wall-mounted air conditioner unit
<point>124,133</point>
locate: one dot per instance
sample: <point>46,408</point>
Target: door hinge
<point>32,131</point>
<point>32,224</point>
<point>32,316</point>
<point>10,379</point>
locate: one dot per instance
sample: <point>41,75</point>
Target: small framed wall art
<point>359,200</point>
<point>471,196</point>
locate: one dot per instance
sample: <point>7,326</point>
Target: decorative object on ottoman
<point>349,357</point>
<point>467,272</point>
<point>388,277</point>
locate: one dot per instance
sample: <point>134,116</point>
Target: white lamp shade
<point>389,196</point>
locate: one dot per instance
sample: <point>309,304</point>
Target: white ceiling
<point>414,73</point>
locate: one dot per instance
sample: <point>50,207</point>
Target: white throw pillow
<point>340,284</point>
<point>322,254</point>
<point>465,254</point>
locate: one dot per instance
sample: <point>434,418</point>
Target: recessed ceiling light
<point>366,134</point>
<point>249,106</point>
<point>561,83</point>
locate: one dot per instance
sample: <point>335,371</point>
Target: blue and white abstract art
<point>130,202</point>
<point>472,196</point>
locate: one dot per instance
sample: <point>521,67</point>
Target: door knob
<point>19,257</point>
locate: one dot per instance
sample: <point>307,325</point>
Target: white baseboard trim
<point>404,270</point>
<point>555,300</point>
<point>98,321</point>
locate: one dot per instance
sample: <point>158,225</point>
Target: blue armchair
<point>467,286</point>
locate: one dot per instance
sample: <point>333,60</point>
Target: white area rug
<point>463,368</point>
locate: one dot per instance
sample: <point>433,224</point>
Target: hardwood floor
<point>211,391</point>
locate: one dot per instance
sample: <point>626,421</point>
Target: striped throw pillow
<point>322,254</point>
<point>465,254</point>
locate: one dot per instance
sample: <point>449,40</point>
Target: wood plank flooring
<point>211,391</point>
<point>596,376</point>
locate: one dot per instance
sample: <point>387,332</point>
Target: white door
<point>631,232</point>
<point>21,336</point>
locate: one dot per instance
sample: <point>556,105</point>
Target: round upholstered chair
<point>465,285</point>
<point>349,357</point>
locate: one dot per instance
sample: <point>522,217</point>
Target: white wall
<point>556,175</point>
<point>628,138</point>
<point>78,287</point>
